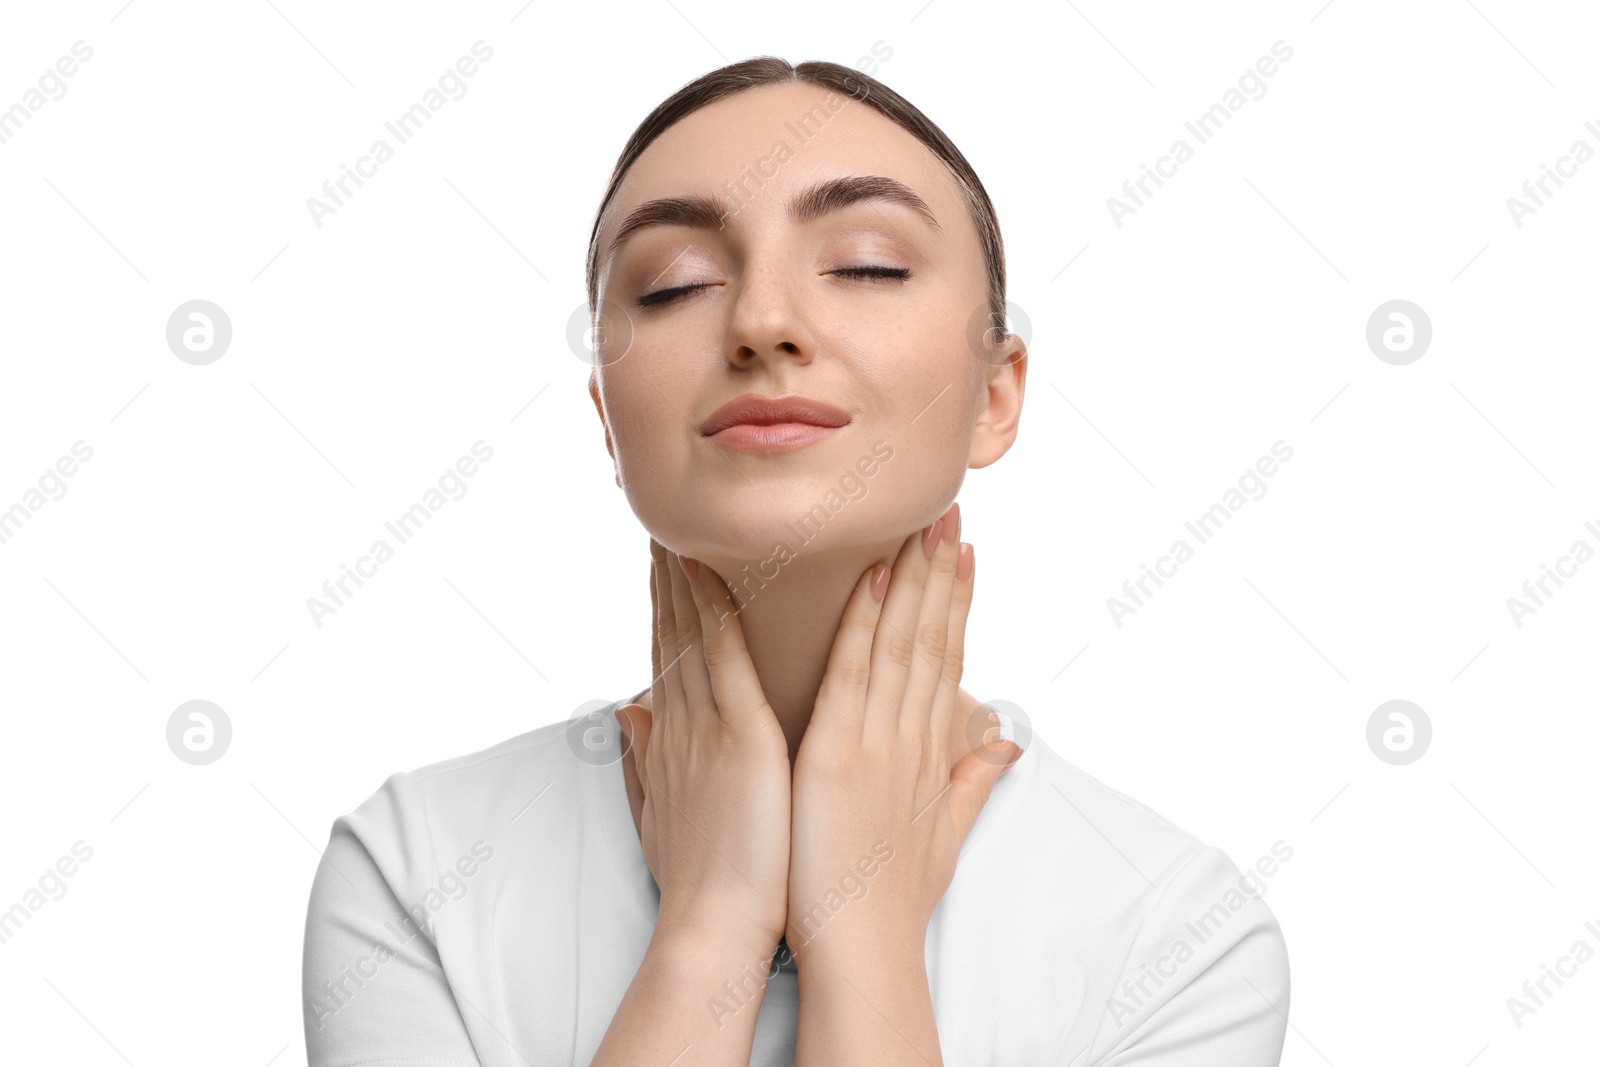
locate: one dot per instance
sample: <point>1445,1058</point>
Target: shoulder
<point>1190,940</point>
<point>386,887</point>
<point>491,782</point>
<point>421,821</point>
<point>1124,842</point>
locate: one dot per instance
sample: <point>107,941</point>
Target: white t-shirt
<point>491,910</point>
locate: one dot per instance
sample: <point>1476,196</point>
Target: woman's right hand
<point>713,764</point>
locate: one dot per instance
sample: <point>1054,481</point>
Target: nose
<point>768,319</point>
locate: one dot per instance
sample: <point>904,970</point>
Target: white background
<point>1167,354</point>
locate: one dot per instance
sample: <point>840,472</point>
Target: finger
<point>635,722</point>
<point>949,695</point>
<point>691,667</point>
<point>658,655</point>
<point>894,646</point>
<point>971,781</point>
<point>842,698</point>
<point>735,688</point>
<point>667,634</point>
<point>657,695</point>
<point>933,629</point>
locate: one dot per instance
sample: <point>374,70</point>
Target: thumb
<point>635,721</point>
<point>973,778</point>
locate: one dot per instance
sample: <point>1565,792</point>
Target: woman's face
<point>695,316</point>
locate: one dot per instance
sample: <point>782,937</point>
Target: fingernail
<point>964,562</point>
<point>880,582</point>
<point>952,523</point>
<point>1013,762</point>
<point>930,538</point>
<point>690,567</point>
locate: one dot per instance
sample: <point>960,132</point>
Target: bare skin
<point>789,730</point>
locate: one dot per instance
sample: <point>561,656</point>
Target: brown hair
<point>771,70</point>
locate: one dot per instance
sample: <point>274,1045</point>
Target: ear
<point>594,394</point>
<point>1005,374</point>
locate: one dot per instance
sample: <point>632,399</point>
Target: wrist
<point>729,973</point>
<point>856,947</point>
<point>703,935</point>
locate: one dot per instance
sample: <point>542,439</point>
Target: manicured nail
<point>1013,762</point>
<point>952,523</point>
<point>690,567</point>
<point>880,582</point>
<point>930,538</point>
<point>964,562</point>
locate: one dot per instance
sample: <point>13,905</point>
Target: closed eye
<point>668,296</point>
<point>898,274</point>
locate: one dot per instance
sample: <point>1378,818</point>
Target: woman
<point>817,848</point>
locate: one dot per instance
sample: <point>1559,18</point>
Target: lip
<point>799,413</point>
<point>777,437</point>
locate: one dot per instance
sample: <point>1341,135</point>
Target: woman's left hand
<point>885,786</point>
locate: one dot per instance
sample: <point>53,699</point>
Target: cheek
<point>641,432</point>
<point>924,376</point>
<point>649,458</point>
<point>651,399</point>
<point>925,417</point>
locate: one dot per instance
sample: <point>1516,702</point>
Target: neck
<point>790,615</point>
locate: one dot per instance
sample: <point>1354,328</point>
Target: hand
<point>884,761</point>
<point>713,764</point>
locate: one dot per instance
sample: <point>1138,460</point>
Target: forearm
<point>694,1000</point>
<point>864,1000</point>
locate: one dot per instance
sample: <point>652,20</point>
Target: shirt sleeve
<point>374,990</point>
<point>1206,981</point>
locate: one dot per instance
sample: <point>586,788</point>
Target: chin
<point>777,525</point>
<point>751,524</point>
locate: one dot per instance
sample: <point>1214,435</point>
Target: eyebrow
<point>835,194</point>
